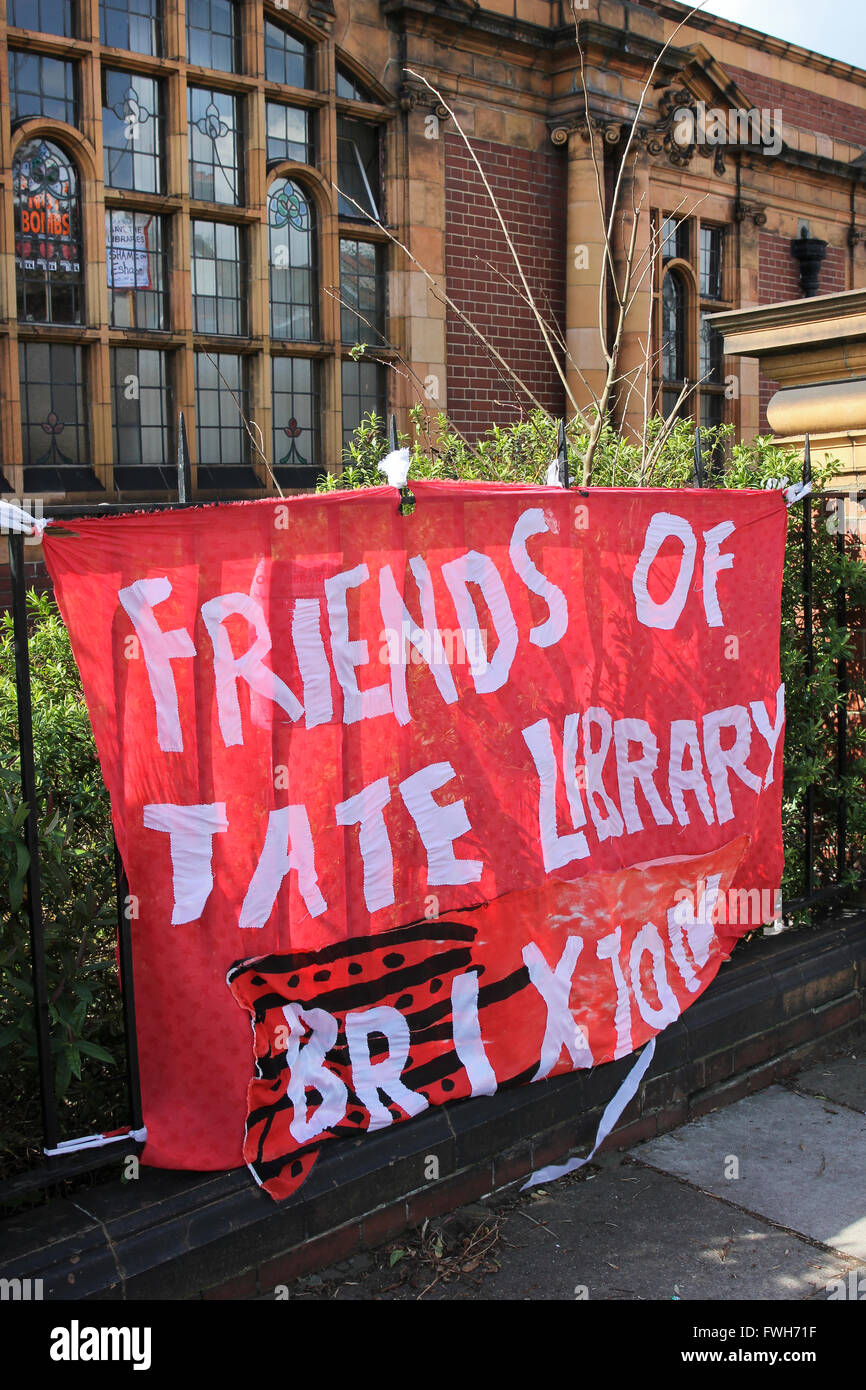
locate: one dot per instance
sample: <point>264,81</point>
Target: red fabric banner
<point>532,737</point>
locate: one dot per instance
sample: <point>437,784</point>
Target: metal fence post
<point>562,456</point>
<point>698,475</point>
<point>184,472</point>
<point>127,991</point>
<point>808,638</point>
<point>31,834</point>
<point>842,712</point>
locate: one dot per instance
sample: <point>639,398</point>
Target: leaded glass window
<point>287,60</point>
<point>711,353</point>
<point>673,328</point>
<point>48,249</point>
<point>212,34</point>
<point>712,242</point>
<point>358,168</point>
<point>54,437</point>
<point>290,131</point>
<point>291,232</point>
<point>349,88</point>
<point>361,291</point>
<point>131,24</point>
<point>41,86</point>
<point>141,416</point>
<point>363,394</point>
<point>132,132</point>
<point>135,260</point>
<point>674,239</point>
<point>43,16</point>
<point>221,395</point>
<point>218,280</point>
<point>213,146</point>
<point>712,410</point>
<point>296,414</point>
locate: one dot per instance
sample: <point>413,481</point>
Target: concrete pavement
<point>762,1200</point>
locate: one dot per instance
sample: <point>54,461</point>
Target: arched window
<point>49,261</point>
<point>292,243</point>
<point>673,338</point>
<point>691,285</point>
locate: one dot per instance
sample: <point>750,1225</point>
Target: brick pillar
<point>584,252</point>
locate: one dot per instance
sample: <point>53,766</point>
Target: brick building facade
<point>200,202</point>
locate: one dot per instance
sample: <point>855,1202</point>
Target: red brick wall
<point>779,279</point>
<point>801,107</point>
<point>35,575</point>
<point>530,190</point>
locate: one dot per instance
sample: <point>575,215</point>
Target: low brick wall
<point>777,1006</point>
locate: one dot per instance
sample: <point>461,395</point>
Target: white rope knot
<point>16,519</point>
<point>395,466</point>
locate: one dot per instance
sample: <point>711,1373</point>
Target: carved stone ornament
<point>750,212</point>
<point>609,131</point>
<point>679,130</point>
<point>322,12</point>
<point>677,133</point>
<point>414,93</point>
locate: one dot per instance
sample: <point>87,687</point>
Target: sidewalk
<point>765,1199</point>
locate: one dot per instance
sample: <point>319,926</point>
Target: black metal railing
<point>65,1165</point>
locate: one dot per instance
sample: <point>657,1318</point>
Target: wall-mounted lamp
<point>810,251</point>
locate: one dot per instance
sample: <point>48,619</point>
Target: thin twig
<point>505,232</point>
<point>608,223</point>
<point>444,298</point>
<point>248,425</point>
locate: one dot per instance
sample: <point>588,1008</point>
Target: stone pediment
<point>703,115</point>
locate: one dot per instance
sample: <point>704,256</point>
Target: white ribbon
<point>797,492</point>
<point>553,478</point>
<point>395,466</point>
<point>94,1141</point>
<point>612,1112</point>
<point>14,518</point>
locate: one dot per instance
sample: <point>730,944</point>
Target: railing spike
<point>562,455</point>
<point>184,472</point>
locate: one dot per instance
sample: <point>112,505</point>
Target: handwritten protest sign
<point>445,802</point>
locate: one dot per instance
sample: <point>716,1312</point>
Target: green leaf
<point>94,1050</point>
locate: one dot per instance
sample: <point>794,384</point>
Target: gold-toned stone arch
<point>82,154</point>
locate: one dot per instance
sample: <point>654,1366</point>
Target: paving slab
<point>799,1160</point>
<point>626,1233</point>
<point>842,1080</point>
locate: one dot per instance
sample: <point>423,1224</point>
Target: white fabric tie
<point>14,518</point>
<point>94,1141</point>
<point>613,1110</point>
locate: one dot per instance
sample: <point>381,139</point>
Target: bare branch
<point>538,318</point>
<point>624,297</point>
<point>444,298</point>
